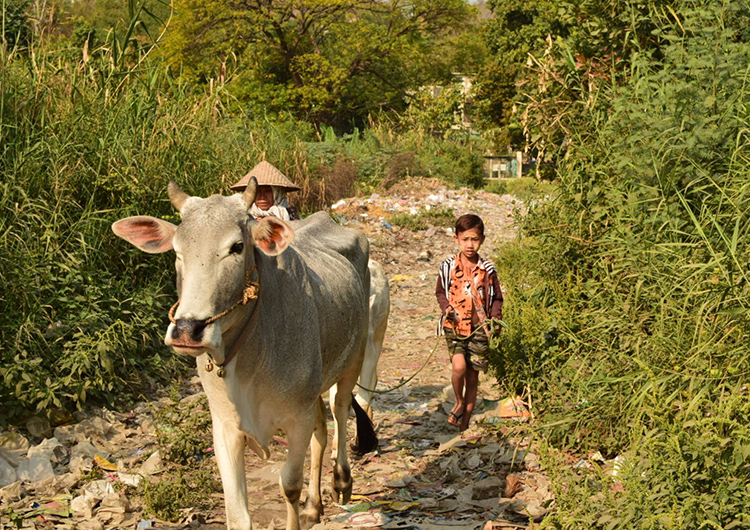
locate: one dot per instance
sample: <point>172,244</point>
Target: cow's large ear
<point>272,235</point>
<point>149,234</point>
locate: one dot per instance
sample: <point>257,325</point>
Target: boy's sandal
<point>455,419</point>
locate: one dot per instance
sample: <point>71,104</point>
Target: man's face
<point>264,197</point>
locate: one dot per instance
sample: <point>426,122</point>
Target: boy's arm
<point>496,304</point>
<point>442,299</point>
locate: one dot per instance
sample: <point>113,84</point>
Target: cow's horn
<point>176,195</point>
<point>249,194</point>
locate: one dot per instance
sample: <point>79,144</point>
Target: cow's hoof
<point>310,515</point>
<point>342,484</point>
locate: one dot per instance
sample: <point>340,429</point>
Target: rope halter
<point>250,292</point>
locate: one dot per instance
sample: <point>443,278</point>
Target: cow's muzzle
<point>188,332</point>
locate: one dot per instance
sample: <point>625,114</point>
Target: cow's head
<point>215,245</point>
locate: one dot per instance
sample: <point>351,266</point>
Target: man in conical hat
<point>270,199</point>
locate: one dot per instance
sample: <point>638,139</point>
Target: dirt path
<point>425,474</point>
<point>440,478</point>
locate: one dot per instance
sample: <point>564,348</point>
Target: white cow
<point>274,321</point>
<point>380,307</point>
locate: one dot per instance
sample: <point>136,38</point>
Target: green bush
<point>632,284</point>
<point>525,188</point>
<point>183,432</point>
<point>424,218</point>
<point>84,313</point>
<point>167,498</point>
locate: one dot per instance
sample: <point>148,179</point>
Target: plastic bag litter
<point>398,480</point>
<point>473,461</point>
<point>58,506</point>
<point>52,449</point>
<point>35,468</point>
<point>513,407</point>
<point>7,473</point>
<point>12,447</point>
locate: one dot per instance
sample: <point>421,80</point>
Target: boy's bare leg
<point>458,379</point>
<point>470,397</point>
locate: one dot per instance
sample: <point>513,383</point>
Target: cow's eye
<point>237,248</point>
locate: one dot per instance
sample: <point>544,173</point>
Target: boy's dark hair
<point>469,221</point>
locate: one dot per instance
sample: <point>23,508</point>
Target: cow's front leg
<point>299,433</point>
<point>314,504</point>
<point>229,446</point>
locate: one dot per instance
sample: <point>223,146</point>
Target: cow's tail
<point>366,439</point>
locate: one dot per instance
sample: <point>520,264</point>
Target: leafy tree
<point>518,28</point>
<point>434,109</point>
<point>329,61</point>
<point>96,21</point>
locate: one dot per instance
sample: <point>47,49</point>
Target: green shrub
<point>167,498</point>
<point>532,339</point>
<point>424,218</point>
<point>632,285</point>
<point>525,188</point>
<point>183,432</point>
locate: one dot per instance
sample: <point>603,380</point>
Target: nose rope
<point>249,293</point>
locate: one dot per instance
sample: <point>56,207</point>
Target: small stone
<point>487,488</point>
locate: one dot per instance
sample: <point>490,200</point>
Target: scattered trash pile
<point>371,215</point>
<point>77,475</point>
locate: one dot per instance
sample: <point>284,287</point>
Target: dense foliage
<point>634,339</point>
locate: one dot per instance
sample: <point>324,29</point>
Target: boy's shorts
<point>474,348</point>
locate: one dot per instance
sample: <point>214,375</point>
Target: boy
<point>468,292</point>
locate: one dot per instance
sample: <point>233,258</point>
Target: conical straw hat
<point>267,175</point>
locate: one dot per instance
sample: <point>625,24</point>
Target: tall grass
<point>637,332</point>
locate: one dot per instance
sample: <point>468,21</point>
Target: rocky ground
<point>424,475</point>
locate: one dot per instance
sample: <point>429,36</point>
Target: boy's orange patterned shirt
<point>466,296</point>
